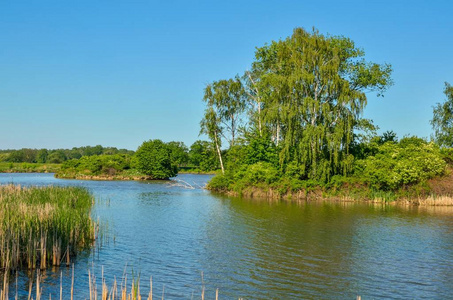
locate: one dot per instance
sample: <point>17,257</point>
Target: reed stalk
<point>106,293</point>
<point>38,223</point>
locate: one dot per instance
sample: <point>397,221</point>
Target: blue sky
<point>117,73</point>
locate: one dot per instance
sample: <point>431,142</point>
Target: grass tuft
<point>43,226</point>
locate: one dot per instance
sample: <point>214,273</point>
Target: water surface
<point>256,249</point>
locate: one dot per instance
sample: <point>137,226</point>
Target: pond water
<point>255,249</point>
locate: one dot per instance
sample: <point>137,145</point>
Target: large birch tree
<point>313,88</point>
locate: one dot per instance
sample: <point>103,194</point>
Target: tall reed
<point>43,226</point>
<point>115,292</point>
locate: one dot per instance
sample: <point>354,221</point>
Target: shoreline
<point>270,194</point>
<point>105,177</point>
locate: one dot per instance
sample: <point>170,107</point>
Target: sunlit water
<point>255,249</point>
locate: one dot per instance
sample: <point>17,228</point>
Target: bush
<point>408,162</point>
<point>261,149</point>
<point>447,155</point>
<point>154,159</point>
<point>256,174</point>
<point>219,183</point>
<point>95,165</point>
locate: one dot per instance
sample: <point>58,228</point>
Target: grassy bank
<point>130,174</point>
<point>112,172</point>
<point>9,167</point>
<point>43,226</point>
<point>437,191</point>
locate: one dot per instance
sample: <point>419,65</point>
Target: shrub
<point>154,159</point>
<point>97,164</point>
<point>411,161</point>
<point>447,155</point>
<point>219,183</point>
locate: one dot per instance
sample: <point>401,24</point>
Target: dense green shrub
<point>203,156</point>
<point>154,159</point>
<point>220,183</point>
<point>251,175</point>
<point>261,149</point>
<point>396,164</point>
<point>56,157</point>
<point>179,153</point>
<point>447,155</point>
<point>98,164</point>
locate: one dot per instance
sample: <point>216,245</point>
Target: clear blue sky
<point>117,73</point>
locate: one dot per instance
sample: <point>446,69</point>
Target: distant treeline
<point>200,155</point>
<point>57,156</point>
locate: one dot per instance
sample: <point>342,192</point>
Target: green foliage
<point>23,155</point>
<point>388,136</point>
<point>56,157</point>
<point>74,154</point>
<point>235,157</point>
<point>154,159</point>
<point>97,165</point>
<point>225,99</point>
<point>260,172</point>
<point>362,147</point>
<point>202,155</point>
<point>220,183</point>
<point>312,89</point>
<point>304,95</point>
<point>447,155</point>
<point>442,121</point>
<point>89,151</point>
<point>261,149</point>
<point>179,153</point>
<point>210,125</point>
<point>41,156</point>
<point>4,157</point>
<point>29,167</point>
<point>39,224</point>
<point>396,164</point>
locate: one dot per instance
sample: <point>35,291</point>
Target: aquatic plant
<point>115,292</point>
<point>43,226</point>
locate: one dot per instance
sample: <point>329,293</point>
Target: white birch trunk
<point>219,153</point>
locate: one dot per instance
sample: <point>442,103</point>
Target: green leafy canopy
<point>154,159</point>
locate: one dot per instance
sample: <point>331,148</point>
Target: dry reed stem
<point>61,285</point>
<point>150,296</point>
<point>134,293</point>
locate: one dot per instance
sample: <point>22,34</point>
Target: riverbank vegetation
<point>109,163</point>
<point>154,159</point>
<point>293,127</point>
<point>10,167</point>
<point>57,156</point>
<point>43,226</point>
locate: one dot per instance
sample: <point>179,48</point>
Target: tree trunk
<point>219,153</point>
<point>259,118</point>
